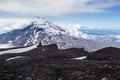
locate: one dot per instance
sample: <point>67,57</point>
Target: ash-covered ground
<point>51,63</point>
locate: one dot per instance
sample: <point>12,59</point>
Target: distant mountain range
<point>64,36</point>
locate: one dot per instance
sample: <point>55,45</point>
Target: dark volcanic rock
<point>50,63</point>
<point>109,53</point>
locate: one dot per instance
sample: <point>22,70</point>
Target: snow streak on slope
<point>17,57</point>
<point>19,50</point>
<point>80,58</point>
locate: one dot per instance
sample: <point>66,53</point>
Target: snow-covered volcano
<point>40,30</point>
<point>19,33</point>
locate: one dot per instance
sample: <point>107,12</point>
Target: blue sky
<point>90,13</point>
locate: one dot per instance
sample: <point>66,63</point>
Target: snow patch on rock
<point>80,58</point>
<point>19,50</point>
<point>17,57</point>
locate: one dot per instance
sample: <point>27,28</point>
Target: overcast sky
<point>86,12</point>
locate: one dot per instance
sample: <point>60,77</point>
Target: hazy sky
<point>92,13</point>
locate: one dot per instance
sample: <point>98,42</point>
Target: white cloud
<point>7,25</point>
<point>56,7</point>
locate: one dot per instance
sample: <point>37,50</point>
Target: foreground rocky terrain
<point>51,63</point>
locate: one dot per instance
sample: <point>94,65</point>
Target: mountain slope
<point>41,30</point>
<point>46,32</point>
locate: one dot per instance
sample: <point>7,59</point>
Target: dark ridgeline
<point>50,63</point>
<point>109,53</point>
